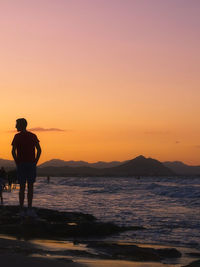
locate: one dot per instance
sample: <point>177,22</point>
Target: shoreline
<point>76,239</point>
<point>151,207</point>
<point>51,253</point>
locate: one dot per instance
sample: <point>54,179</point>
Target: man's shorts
<point>26,172</point>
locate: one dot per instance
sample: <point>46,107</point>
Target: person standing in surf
<point>24,145</point>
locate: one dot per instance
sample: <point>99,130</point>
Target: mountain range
<point>135,167</point>
<point>72,163</point>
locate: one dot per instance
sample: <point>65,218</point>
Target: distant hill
<point>138,166</point>
<point>62,163</point>
<point>181,168</point>
<point>142,166</point>
<point>72,163</point>
<point>103,164</point>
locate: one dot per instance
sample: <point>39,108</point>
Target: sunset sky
<point>102,80</point>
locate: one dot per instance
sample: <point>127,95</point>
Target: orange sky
<point>119,77</point>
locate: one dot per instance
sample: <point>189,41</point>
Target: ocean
<point>169,208</point>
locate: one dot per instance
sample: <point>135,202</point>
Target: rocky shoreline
<point>54,224</point>
<point>81,228</point>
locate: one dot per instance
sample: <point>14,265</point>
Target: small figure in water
<point>1,190</point>
<point>2,183</point>
<point>48,179</point>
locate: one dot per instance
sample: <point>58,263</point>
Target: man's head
<point>21,124</point>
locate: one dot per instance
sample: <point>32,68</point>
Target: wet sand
<point>18,260</point>
<point>45,253</point>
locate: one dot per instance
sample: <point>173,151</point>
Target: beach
<point>165,207</point>
<point>161,208</point>
<point>17,260</point>
<point>53,238</point>
<point>99,133</point>
<point>46,253</point>
<point>19,253</point>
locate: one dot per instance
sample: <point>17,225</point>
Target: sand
<point>22,253</point>
<point>17,260</point>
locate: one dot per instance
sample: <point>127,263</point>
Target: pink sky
<point>122,77</point>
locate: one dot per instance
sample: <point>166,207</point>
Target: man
<point>23,151</point>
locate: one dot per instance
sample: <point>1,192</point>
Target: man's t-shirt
<point>25,143</point>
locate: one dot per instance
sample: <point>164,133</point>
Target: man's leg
<point>21,195</point>
<point>30,194</point>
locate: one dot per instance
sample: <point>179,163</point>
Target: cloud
<point>40,129</point>
<point>177,142</point>
<point>197,146</point>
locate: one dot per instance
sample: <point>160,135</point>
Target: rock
<point>193,264</point>
<point>55,224</point>
<point>133,252</point>
<point>64,260</point>
<point>169,253</point>
<point>193,254</point>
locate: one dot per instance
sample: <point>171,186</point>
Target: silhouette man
<point>23,151</point>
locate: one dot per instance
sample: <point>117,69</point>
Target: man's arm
<point>37,145</point>
<point>14,154</point>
